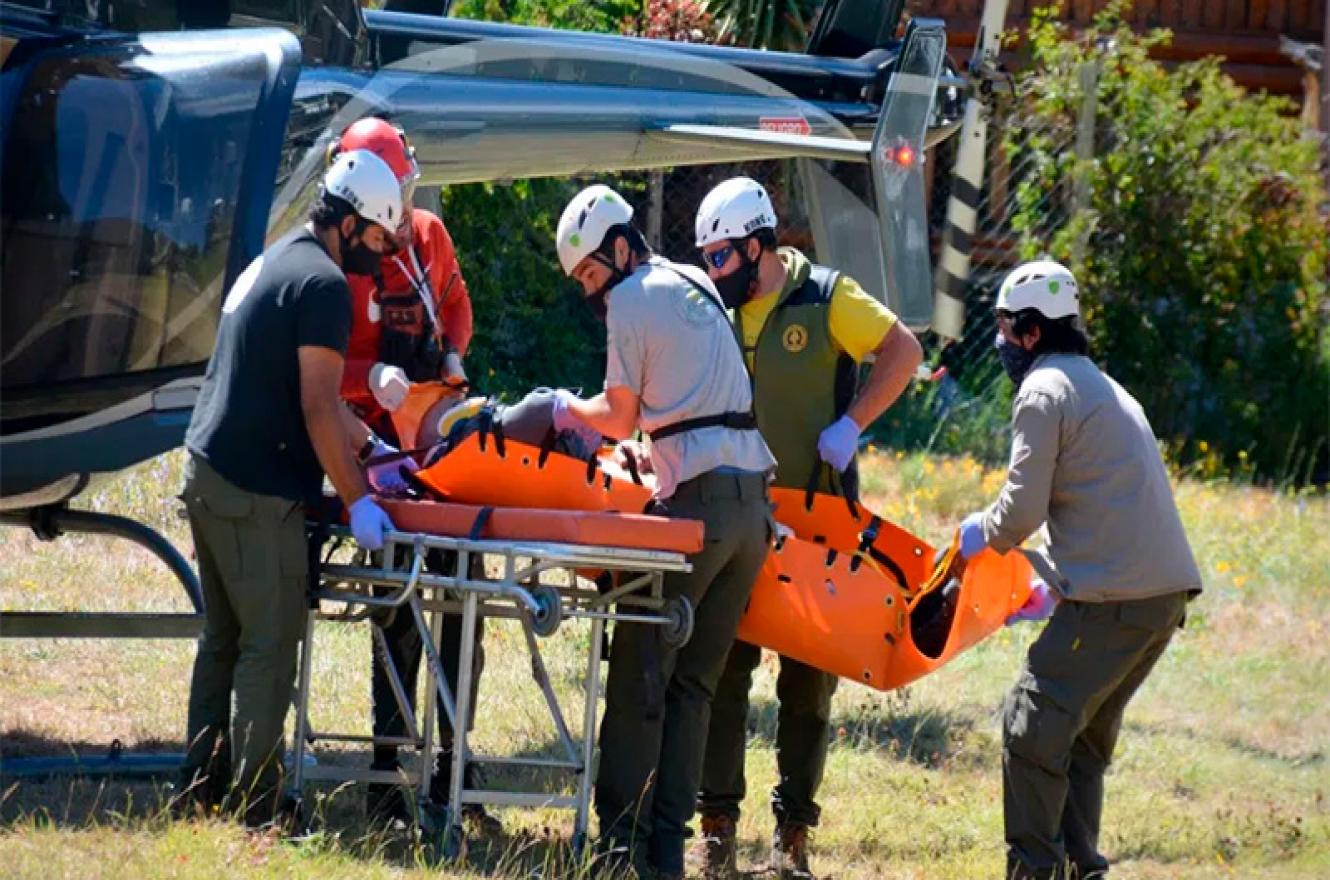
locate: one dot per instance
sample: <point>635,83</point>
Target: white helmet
<point>1043,285</point>
<point>366,182</point>
<point>582,228</point>
<point>736,208</point>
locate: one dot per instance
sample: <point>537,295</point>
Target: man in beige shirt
<point>1085,466</point>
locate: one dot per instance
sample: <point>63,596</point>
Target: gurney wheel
<point>678,628</point>
<point>545,621</point>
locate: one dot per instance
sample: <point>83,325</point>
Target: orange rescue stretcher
<point>848,592</point>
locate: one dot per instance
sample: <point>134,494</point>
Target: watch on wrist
<point>371,443</point>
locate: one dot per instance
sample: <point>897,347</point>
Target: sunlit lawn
<point>1222,771</point>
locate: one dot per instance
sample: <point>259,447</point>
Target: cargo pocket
<point>1036,729</point>
<point>221,518</point>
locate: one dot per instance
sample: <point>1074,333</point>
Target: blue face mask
<point>1015,360</point>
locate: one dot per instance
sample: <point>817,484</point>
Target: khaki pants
<point>658,700</point>
<point>1061,723</point>
<point>253,567</point>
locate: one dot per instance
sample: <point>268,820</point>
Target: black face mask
<point>596,299</point>
<point>596,302</point>
<point>736,288</point>
<point>358,258</point>
<point>1015,360</point>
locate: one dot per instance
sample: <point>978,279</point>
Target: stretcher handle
<point>837,477</point>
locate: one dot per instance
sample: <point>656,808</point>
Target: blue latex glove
<point>972,535</point>
<point>838,442</point>
<point>386,477</point>
<point>564,419</point>
<point>1040,606</point>
<point>369,523</point>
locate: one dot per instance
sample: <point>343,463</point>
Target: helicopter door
<point>875,226</point>
<point>136,182</point>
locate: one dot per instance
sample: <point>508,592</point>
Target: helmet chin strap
<point>616,274</point>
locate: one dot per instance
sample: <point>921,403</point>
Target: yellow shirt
<point>859,322</point>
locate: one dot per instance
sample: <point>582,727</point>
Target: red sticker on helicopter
<point>785,124</point>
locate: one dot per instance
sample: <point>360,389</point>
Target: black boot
<point>385,802</point>
<point>477,819</point>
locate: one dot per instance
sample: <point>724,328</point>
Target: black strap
<point>815,480</point>
<point>867,538</point>
<point>425,490</point>
<point>735,420</point>
<point>546,446</point>
<point>478,527</point>
<point>738,421</point>
<point>630,462</point>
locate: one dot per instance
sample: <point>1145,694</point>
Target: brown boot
<point>789,852</point>
<point>713,855</point>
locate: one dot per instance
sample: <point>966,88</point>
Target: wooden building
<point>1244,32</point>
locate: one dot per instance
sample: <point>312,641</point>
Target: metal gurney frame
<point>403,584</point>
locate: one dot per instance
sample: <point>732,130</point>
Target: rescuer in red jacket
<point>410,323</point>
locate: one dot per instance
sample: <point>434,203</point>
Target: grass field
<point>1222,769</point>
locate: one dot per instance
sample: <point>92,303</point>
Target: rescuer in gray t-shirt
<point>675,371</point>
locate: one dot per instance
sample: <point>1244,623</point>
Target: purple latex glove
<point>972,535</point>
<point>564,419</point>
<point>386,477</point>
<point>838,441</point>
<point>1043,600</point>
<point>369,523</point>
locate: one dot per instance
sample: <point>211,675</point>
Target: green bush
<point>603,16</point>
<point>531,325</point>
<point>1200,251</point>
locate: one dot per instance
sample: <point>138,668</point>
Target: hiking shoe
<point>789,852</point>
<point>714,854</point>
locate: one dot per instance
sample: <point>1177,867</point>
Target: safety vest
<point>802,382</point>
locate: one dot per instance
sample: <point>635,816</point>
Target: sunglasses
<point>717,259</point>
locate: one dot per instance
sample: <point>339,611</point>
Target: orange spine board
<point>476,473</point>
<point>598,529</point>
<point>817,606</point>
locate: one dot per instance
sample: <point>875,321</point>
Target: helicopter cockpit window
<point>121,173</point>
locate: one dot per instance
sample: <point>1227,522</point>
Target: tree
<point>766,24</point>
<point>1199,247</point>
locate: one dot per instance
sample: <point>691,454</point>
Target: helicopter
<point>151,149</point>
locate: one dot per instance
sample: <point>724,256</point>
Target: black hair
<point>1056,335</point>
<point>766,240</point>
<point>636,243</point>
<point>329,210</point>
<point>766,236</point>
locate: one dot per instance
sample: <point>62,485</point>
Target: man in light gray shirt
<point>675,371</point>
<point>1086,466</point>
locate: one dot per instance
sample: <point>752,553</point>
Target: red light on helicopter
<point>905,156</point>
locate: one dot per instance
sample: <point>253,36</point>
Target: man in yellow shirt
<point>805,330</point>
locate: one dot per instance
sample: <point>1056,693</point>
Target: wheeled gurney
<point>520,548</point>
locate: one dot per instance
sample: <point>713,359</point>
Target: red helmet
<point>390,144</point>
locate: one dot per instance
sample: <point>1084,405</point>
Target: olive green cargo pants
<point>1061,723</point>
<point>802,736</point>
<point>253,567</point>
<point>658,700</point>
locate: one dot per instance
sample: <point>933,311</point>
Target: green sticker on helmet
<point>574,239</point>
<point>1053,287</point>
